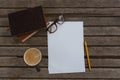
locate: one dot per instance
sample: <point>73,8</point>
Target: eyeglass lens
<point>53,27</point>
<point>61,19</point>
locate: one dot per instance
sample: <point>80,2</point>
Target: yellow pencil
<point>87,54</point>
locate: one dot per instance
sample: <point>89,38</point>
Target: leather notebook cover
<point>26,21</point>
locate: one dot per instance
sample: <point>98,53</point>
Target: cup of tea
<point>32,57</point>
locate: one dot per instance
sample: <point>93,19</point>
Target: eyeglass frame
<point>55,22</point>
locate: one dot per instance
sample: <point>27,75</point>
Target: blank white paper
<point>66,49</point>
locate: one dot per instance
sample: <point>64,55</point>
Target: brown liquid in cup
<point>32,56</point>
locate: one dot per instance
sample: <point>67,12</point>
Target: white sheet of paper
<point>66,49</point>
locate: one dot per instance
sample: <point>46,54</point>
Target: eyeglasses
<point>53,26</point>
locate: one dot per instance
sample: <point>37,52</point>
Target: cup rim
<point>39,59</point>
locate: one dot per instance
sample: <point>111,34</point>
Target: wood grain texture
<point>18,62</point>
<point>101,30</point>
<point>31,73</point>
<point>96,63</point>
<point>92,31</point>
<point>70,11</point>
<point>103,40</point>
<point>93,51</point>
<point>14,41</point>
<point>19,51</point>
<point>60,3</point>
<point>42,41</point>
<point>104,51</point>
<point>88,21</point>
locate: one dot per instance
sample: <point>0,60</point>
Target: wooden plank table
<point>101,30</point>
